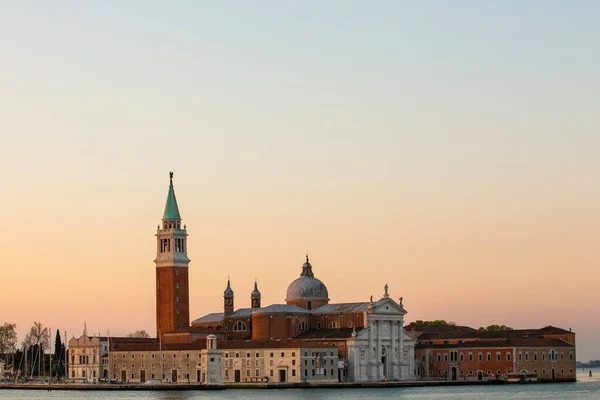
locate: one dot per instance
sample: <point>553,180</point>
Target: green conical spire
<point>171,209</point>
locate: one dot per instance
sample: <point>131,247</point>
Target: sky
<point>448,149</point>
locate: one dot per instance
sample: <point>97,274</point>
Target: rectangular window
<point>462,357</point>
<point>470,356</point>
<point>507,356</point>
<point>520,357</point>
<point>498,356</point>
<point>282,354</point>
<point>480,357</point>
<point>293,354</point>
<point>571,356</point>
<point>534,356</point>
<point>271,372</point>
<point>293,372</point>
<point>446,357</point>
<point>257,372</point>
<point>526,356</point>
<point>489,357</point>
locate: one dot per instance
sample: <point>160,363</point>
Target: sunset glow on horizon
<point>450,151</point>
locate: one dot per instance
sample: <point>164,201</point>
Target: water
<point>585,388</point>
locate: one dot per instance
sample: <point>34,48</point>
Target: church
<point>371,342</point>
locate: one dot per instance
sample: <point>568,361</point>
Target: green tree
<point>495,328</point>
<point>57,345</point>
<point>437,322</point>
<point>8,337</point>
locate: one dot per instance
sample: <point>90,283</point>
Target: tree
<point>38,339</point>
<point>8,337</point>
<point>139,334</point>
<point>57,345</point>
<point>437,322</point>
<point>59,351</point>
<point>495,328</point>
<point>38,334</point>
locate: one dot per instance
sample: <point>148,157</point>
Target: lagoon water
<point>585,388</point>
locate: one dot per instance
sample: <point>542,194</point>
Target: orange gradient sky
<point>460,169</point>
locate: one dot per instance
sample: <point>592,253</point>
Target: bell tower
<point>172,287</point>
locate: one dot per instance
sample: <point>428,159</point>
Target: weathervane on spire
<point>171,177</point>
<point>306,257</point>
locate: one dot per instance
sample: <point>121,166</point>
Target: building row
<point>306,338</point>
<point>463,353</point>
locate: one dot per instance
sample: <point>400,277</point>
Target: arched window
<point>239,326</point>
<point>334,324</point>
<point>303,326</point>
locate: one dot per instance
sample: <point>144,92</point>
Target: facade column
<point>393,347</point>
<point>378,359</point>
<point>401,346</point>
<point>370,352</point>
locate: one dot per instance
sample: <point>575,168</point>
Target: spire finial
<point>171,208</point>
<point>307,268</point>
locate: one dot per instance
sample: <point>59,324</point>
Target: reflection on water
<point>585,388</point>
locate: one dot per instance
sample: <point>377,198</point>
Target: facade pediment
<point>388,307</point>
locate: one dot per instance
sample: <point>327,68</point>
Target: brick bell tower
<point>172,287</point>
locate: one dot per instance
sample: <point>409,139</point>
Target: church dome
<point>307,287</point>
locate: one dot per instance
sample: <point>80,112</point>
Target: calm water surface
<point>586,388</point>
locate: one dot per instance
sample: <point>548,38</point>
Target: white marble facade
<point>383,350</point>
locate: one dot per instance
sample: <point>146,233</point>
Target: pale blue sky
<point>387,114</point>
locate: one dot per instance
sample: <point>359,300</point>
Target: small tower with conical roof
<point>255,297</point>
<point>228,300</point>
<point>172,287</point>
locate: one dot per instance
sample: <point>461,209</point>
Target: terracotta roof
<point>509,342</point>
<point>193,329</point>
<point>336,333</point>
<point>426,328</point>
<point>269,344</point>
<point>473,334</point>
<point>156,346</point>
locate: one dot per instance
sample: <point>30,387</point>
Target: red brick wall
<point>167,318</point>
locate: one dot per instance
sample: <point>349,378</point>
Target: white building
<point>383,350</point>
